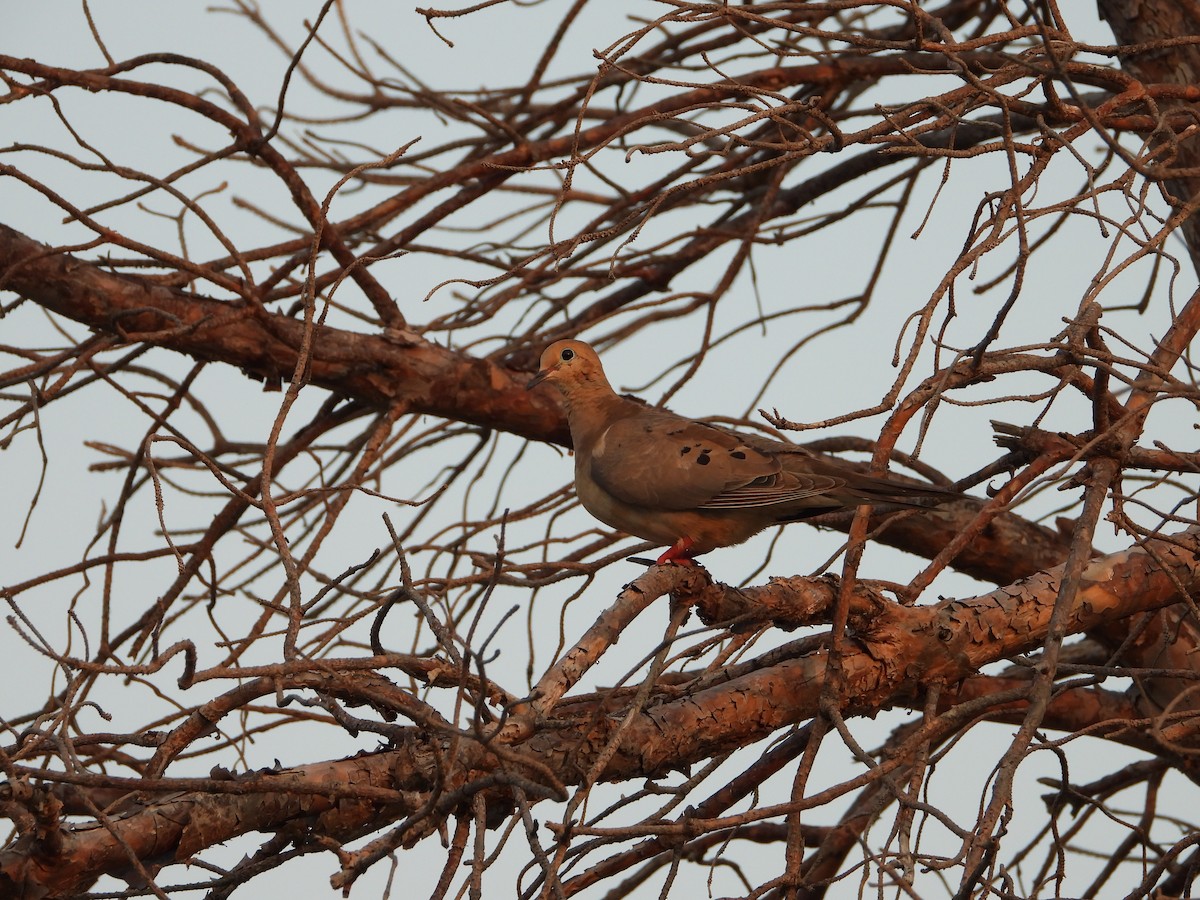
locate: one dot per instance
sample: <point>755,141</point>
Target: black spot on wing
<point>738,454</point>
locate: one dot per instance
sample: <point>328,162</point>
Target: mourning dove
<point>675,481</point>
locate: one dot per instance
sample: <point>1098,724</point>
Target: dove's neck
<point>592,405</point>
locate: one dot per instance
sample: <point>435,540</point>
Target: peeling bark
<point>897,654</point>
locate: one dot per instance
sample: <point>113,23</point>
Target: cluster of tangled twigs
<point>386,257</point>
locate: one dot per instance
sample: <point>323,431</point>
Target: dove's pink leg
<point>679,553</point>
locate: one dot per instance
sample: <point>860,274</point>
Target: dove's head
<point>569,365</point>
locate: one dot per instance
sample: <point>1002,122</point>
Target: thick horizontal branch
<point>340,799</point>
<point>392,368</point>
<point>896,654</point>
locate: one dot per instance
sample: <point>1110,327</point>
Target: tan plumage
<point>672,480</point>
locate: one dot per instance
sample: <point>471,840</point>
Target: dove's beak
<point>537,379</point>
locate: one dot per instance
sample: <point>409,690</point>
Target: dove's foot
<point>678,554</point>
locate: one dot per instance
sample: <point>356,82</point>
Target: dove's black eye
<point>567,355</point>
